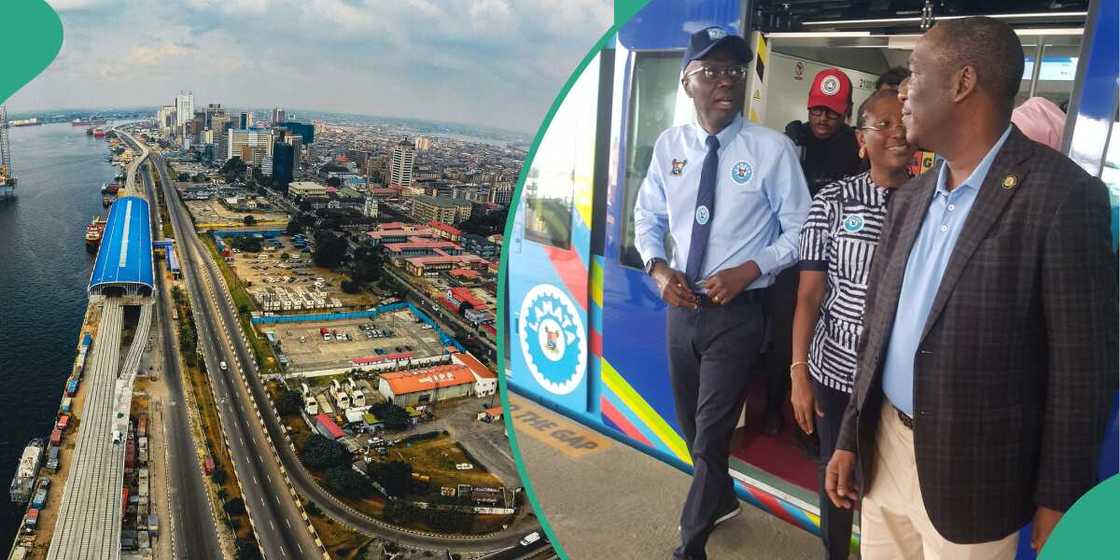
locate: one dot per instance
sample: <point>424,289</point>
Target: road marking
<point>288,522</point>
<point>300,548</point>
<point>271,524</point>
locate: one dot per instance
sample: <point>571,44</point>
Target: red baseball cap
<point>831,89</point>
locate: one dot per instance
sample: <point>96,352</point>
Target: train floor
<point>604,499</point>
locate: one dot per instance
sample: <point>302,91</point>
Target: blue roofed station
<point>124,261</point>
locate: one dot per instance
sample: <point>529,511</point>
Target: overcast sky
<point>498,63</point>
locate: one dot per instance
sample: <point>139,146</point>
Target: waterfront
<point>44,268</point>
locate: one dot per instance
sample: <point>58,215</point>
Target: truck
<point>56,437</point>
<point>31,520</point>
<point>39,499</point>
<point>63,422</point>
<point>71,387</point>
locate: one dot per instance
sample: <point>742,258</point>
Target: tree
<point>233,167</point>
<point>285,256</point>
<point>394,417</point>
<point>295,225</point>
<point>398,512</point>
<point>247,549</point>
<point>183,177</point>
<point>351,287</point>
<point>330,249</point>
<point>394,476</point>
<point>322,453</point>
<point>200,178</point>
<point>449,521</point>
<point>250,220</point>
<point>334,182</point>
<point>348,483</point>
<point>368,264</point>
<point>235,506</point>
<point>289,403</point>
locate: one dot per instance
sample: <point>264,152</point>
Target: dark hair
<point>892,77</point>
<point>991,47</point>
<point>861,115</point>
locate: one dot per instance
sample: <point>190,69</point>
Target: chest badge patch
<point>741,172</point>
<point>703,215</point>
<point>1010,181</point>
<point>678,166</point>
<point>853,223</point>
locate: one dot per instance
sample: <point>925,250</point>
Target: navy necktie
<point>704,211</point>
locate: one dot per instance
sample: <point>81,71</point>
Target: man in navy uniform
<point>731,196</point>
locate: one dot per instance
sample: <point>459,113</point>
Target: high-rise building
<point>278,116</point>
<point>197,125</point>
<point>501,193</point>
<point>400,166</point>
<point>306,131</point>
<point>184,109</point>
<point>283,163</point>
<point>219,125</point>
<point>250,145</point>
<point>245,120</point>
<point>165,118</point>
<point>423,143</point>
<point>213,110</point>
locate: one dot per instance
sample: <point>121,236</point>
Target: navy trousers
<point>712,351</point>
<point>836,523</point>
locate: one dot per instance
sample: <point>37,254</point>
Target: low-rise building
<point>303,189</point>
<point>407,388</point>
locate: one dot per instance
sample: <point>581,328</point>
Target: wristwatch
<point>652,263</point>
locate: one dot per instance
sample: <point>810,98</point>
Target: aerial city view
<point>254,331</point>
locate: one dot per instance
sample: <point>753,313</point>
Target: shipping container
<point>153,524</point>
<point>71,387</point>
<point>56,437</point>
<point>31,520</point>
<point>124,499</point>
<point>87,340</point>
<point>53,456</point>
<point>142,425</point>
<point>208,465</point>
<point>63,422</point>
<point>129,455</point>
<point>67,403</point>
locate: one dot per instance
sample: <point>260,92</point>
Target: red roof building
<point>327,427</point>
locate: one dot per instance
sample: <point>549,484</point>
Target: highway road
<point>276,519</point>
<point>195,534</point>
<point>301,479</point>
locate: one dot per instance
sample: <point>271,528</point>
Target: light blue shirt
<point>924,269</point>
<point>761,199</point>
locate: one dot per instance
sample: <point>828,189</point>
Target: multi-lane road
<point>276,519</point>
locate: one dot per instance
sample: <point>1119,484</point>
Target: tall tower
<point>7,175</point>
<point>400,167</point>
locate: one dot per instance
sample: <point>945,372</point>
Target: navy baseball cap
<point>702,42</point>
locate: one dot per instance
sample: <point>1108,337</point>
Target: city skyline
<point>346,56</point>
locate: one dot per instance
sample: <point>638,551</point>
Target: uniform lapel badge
<point>678,166</point>
<point>1010,182</point>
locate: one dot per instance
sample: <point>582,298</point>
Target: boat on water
<point>24,480</point>
<point>94,231</point>
<point>109,193</point>
<point>87,122</point>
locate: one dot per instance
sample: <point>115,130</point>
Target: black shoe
<point>735,510</point>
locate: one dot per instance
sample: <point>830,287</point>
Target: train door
<point>548,290</point>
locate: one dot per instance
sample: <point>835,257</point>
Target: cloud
<point>491,62</point>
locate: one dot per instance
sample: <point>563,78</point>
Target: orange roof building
<point>427,385</point>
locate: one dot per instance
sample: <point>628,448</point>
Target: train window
<point>657,102</point>
<point>565,160</point>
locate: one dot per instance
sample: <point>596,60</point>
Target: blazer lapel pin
<point>1010,182</point>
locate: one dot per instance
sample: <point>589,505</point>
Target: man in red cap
<point>829,151</point>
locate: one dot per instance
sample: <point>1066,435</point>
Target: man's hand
<point>726,284</point>
<point>1044,521</point>
<point>674,286</point>
<point>801,397</point>
<point>839,479</point>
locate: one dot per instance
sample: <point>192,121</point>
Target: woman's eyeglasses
<point>886,126</point>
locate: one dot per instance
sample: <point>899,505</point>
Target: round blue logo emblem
<point>702,215</point>
<point>741,172</point>
<point>553,339</point>
<point>853,223</point>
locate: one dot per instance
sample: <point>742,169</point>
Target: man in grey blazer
<point>989,358</point>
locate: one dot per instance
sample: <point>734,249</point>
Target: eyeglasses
<point>886,126</point>
<point>736,73</point>
<point>825,112</point>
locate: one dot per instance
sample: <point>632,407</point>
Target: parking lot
<point>294,275</point>
<point>308,350</point>
<point>212,212</point>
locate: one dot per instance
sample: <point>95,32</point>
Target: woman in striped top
<point>837,244</point>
